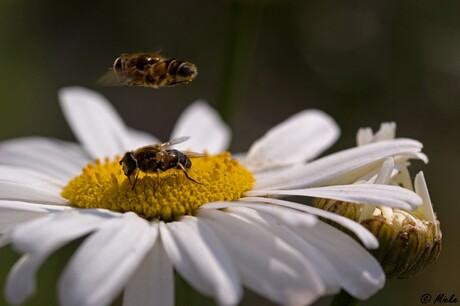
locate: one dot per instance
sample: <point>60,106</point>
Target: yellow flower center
<point>165,195</point>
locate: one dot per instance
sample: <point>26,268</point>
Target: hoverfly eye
<point>128,163</point>
<point>186,70</point>
<point>117,65</point>
<point>188,164</point>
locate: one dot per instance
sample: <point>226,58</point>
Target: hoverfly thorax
<point>142,62</point>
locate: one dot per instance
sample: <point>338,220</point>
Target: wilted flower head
<point>409,241</point>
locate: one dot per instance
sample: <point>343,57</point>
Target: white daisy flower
<point>230,230</point>
<point>409,240</point>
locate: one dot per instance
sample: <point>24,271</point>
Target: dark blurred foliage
<point>363,62</point>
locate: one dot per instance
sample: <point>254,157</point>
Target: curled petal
<point>422,189</point>
<point>288,216</point>
<point>376,194</point>
<point>360,231</point>
<point>344,167</point>
<point>358,271</point>
<point>317,261</point>
<point>365,136</point>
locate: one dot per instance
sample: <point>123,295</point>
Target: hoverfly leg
<point>159,182</point>
<point>186,174</point>
<point>135,180</point>
<point>158,178</point>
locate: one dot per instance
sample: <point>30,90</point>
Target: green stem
<point>344,299</point>
<point>243,20</point>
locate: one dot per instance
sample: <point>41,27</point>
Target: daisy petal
<point>39,238</point>
<point>21,282</point>
<point>32,207</point>
<point>301,137</point>
<point>422,190</point>
<point>386,131</point>
<point>13,212</point>
<point>286,215</point>
<point>56,158</point>
<point>316,260</point>
<point>140,138</point>
<point>266,263</point>
<point>153,281</point>
<point>30,193</point>
<point>5,239</point>
<point>94,121</point>
<point>11,217</point>
<point>28,186</point>
<point>365,136</point>
<point>382,176</point>
<point>205,127</point>
<point>203,260</point>
<point>47,234</point>
<point>15,174</point>
<point>343,167</point>
<point>360,231</point>
<point>376,194</point>
<point>99,269</point>
<point>357,270</point>
<point>183,265</point>
<point>385,172</point>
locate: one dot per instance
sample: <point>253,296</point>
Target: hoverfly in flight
<point>149,70</point>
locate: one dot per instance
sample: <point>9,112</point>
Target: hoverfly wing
<point>110,79</point>
<point>175,141</point>
<point>163,146</point>
<point>191,154</point>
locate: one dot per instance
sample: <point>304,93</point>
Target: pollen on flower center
<point>165,196</point>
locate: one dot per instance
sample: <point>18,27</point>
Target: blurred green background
<point>363,62</point>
